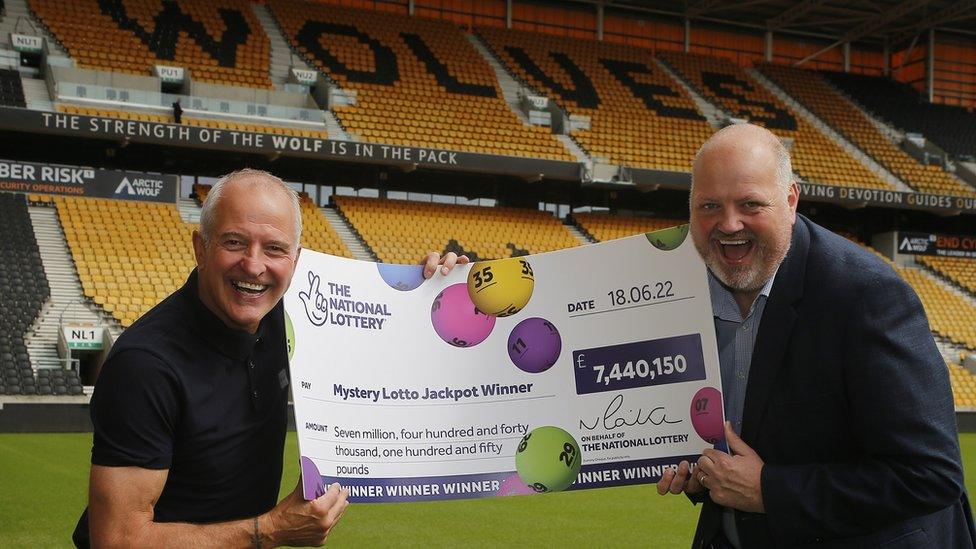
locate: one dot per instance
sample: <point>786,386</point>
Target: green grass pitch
<point>44,478</point>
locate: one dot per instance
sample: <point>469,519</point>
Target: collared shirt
<point>182,391</point>
<point>736,340</point>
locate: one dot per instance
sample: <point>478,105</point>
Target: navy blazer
<point>848,403</point>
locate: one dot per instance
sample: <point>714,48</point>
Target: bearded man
<point>840,417</point>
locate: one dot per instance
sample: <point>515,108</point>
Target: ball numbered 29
<point>548,459</point>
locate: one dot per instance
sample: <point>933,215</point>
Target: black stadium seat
<point>950,127</point>
<point>23,290</point>
<point>11,89</point>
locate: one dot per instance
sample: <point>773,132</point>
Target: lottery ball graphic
<point>534,345</point>
<point>456,320</point>
<point>706,415</point>
<point>289,336</point>
<point>668,239</point>
<point>401,277</point>
<point>548,459</point>
<point>501,287</point>
<point>513,486</point>
<point>312,484</point>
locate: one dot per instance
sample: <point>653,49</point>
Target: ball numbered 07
<point>548,459</point>
<point>501,287</point>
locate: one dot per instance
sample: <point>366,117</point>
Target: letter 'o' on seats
<point>624,71</point>
<point>171,20</point>
<point>722,86</point>
<point>584,95</point>
<point>387,71</point>
<point>440,71</point>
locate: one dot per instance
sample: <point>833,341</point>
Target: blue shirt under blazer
<point>848,403</point>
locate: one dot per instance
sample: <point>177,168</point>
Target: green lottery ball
<point>289,336</point>
<point>668,239</point>
<point>548,459</point>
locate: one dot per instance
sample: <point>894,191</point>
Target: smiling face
<point>246,264</point>
<point>741,219</point>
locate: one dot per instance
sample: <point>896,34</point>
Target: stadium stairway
<point>67,299</point>
<point>825,129</point>
<point>714,114</point>
<point>580,235</point>
<point>36,94</point>
<point>348,236</point>
<point>282,58</point>
<point>511,88</point>
<point>17,11</point>
<point>512,91</point>
<point>189,210</point>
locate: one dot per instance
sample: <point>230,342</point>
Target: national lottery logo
<point>337,306</point>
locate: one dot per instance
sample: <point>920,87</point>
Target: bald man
<point>190,408</point>
<point>840,418</point>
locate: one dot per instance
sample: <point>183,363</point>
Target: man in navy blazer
<point>841,421</point>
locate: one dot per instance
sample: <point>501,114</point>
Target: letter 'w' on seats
<point>171,21</point>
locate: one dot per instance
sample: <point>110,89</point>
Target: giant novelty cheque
<point>583,368</point>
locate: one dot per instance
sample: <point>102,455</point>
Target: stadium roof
<point>896,22</point>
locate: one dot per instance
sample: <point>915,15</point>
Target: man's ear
<point>199,247</point>
<point>793,198</point>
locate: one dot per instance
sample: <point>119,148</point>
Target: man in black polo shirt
<point>190,407</point>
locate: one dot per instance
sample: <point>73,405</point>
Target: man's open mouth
<point>735,249</point>
<point>249,288</point>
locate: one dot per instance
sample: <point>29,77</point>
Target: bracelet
<point>256,539</point>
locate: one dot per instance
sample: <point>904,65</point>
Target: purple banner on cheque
<point>596,475</point>
<point>639,364</point>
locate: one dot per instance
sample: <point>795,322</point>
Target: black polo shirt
<point>182,391</point>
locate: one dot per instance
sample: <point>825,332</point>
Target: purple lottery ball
<point>401,277</point>
<point>534,345</point>
<point>456,320</point>
<point>312,484</point>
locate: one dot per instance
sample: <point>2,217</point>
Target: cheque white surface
<point>597,366</point>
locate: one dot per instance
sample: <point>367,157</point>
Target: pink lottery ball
<point>456,320</point>
<point>513,486</point>
<point>707,416</point>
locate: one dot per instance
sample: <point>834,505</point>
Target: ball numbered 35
<point>501,287</point>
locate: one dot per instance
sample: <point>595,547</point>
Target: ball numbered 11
<point>548,459</point>
<point>501,287</point>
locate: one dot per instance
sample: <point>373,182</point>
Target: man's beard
<point>768,254</point>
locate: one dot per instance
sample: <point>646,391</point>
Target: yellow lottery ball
<point>501,287</point>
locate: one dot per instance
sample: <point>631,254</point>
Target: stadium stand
<point>950,315</point>
<point>52,381</point>
<point>834,109</point>
<point>11,89</point>
<point>418,81</point>
<point>950,127</point>
<point>402,232</point>
<point>638,115</point>
<point>959,270</point>
<point>219,41</point>
<point>816,158</point>
<point>23,290</point>
<point>963,386</point>
<point>317,232</point>
<point>204,122</point>
<point>602,227</point>
<point>129,255</point>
